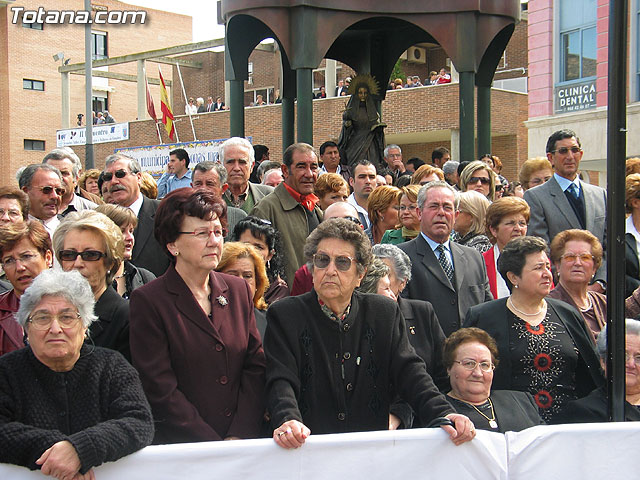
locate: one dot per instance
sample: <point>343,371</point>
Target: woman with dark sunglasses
<point>479,177</point>
<point>91,243</point>
<point>337,358</point>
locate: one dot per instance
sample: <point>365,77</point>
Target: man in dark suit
<point>122,178</point>
<point>450,276</point>
<point>565,201</point>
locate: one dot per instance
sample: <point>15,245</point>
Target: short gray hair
<point>62,154</point>
<point>376,271</point>
<point>399,259</point>
<point>71,286</point>
<point>238,142</point>
<point>208,165</point>
<point>345,230</point>
<point>450,166</point>
<point>268,172</point>
<point>26,177</point>
<point>422,194</point>
<point>389,147</point>
<point>134,165</point>
<point>632,327</point>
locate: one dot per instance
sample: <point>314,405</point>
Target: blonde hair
<point>329,183</point>
<point>424,171</point>
<point>474,167</point>
<point>411,191</point>
<point>92,173</point>
<point>530,166</point>
<point>476,205</point>
<point>148,185</point>
<point>99,223</point>
<point>233,251</point>
<point>380,199</point>
<point>121,216</point>
<point>632,189</point>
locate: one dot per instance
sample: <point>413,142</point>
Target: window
<point>34,145</point>
<point>33,26</point>
<point>638,51</point>
<point>577,39</point>
<point>99,45</point>
<point>28,84</point>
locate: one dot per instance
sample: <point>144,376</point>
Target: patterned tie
<point>445,263</point>
<point>573,191</point>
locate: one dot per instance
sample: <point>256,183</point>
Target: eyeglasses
<point>87,255</point>
<point>482,180</point>
<point>471,365</point>
<point>404,208</point>
<point>572,257</point>
<point>11,213</point>
<point>538,181</point>
<point>514,224</point>
<point>628,356</point>
<point>342,262</point>
<point>43,321</point>
<point>204,234</point>
<point>48,190</point>
<point>108,176</point>
<point>10,262</point>
<point>565,150</point>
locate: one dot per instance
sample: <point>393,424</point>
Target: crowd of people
<point>336,299</point>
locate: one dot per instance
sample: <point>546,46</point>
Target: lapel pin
<point>222,300</point>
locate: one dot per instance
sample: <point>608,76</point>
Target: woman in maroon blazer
<point>194,339</point>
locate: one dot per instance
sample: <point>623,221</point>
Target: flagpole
<point>158,132</point>
<point>186,101</point>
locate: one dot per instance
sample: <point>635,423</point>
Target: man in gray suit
<point>237,156</point>
<point>450,276</point>
<point>565,201</point>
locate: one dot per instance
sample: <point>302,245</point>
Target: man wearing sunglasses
<point>121,177</point>
<point>43,184</point>
<point>566,202</point>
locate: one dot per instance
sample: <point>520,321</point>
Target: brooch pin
<point>412,330</point>
<point>222,300</point>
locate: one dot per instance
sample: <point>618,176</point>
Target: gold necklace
<point>492,420</point>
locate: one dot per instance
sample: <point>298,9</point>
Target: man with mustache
<point>291,208</point>
<point>450,276</point>
<point>121,177</point>
<point>43,184</point>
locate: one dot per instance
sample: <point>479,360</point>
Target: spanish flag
<point>165,106</point>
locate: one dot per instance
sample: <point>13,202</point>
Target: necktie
<point>445,263</point>
<point>573,191</point>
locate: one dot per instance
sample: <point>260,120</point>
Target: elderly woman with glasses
<point>193,331</point>
<point>25,251</point>
<point>337,358</point>
<point>577,255</point>
<point>67,406</point>
<point>594,407</point>
<point>468,228</point>
<point>545,347</point>
<point>470,356</point>
<point>92,244</point>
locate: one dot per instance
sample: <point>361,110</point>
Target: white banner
<point>111,132</point>
<point>566,452</point>
<point>154,158</point>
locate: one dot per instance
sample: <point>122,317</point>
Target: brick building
<point>568,77</point>
<point>30,84</point>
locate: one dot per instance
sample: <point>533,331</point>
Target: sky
<point>204,13</point>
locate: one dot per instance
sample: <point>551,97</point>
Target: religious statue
<point>362,134</point>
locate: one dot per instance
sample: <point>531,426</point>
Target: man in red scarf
<point>291,208</point>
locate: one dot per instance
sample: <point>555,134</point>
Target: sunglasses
<point>87,255</point>
<point>565,150</point>
<point>353,219</point>
<point>572,257</point>
<point>499,188</point>
<point>342,262</point>
<point>49,189</point>
<point>108,176</point>
<point>482,180</point>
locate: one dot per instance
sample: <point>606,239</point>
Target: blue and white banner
<point>110,132</point>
